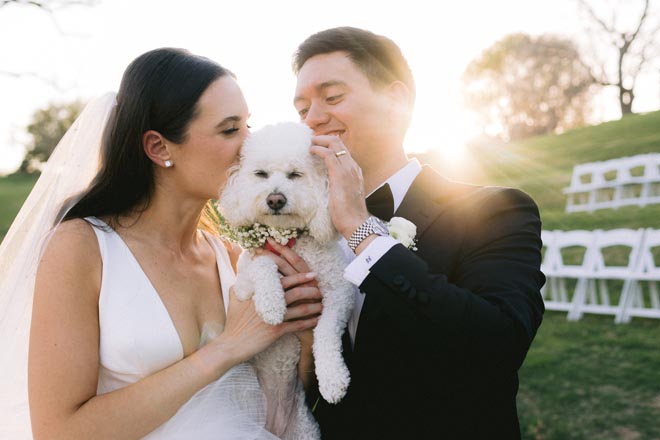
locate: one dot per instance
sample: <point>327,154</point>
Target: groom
<point>438,334</point>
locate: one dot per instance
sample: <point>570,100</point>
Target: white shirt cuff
<point>358,270</point>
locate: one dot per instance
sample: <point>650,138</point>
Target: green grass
<point>13,192</point>
<point>542,167</point>
<point>589,379</point>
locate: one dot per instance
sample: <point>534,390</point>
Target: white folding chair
<point>624,192</point>
<point>651,180</point>
<point>580,194</point>
<point>603,194</point>
<point>612,184</point>
<point>548,262</point>
<point>561,271</point>
<point>597,297</point>
<point>647,271</point>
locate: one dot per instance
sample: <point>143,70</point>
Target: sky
<point>84,51</point>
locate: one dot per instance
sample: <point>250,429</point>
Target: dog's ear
<point>320,226</point>
<point>229,198</point>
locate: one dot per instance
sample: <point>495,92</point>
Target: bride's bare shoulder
<point>78,231</point>
<point>73,241</point>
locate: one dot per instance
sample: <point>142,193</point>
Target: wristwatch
<point>372,225</point>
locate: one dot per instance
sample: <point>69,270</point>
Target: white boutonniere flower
<point>404,231</point>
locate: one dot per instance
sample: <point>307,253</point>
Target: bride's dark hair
<point>159,91</point>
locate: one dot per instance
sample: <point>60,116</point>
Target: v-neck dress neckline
<point>137,334</point>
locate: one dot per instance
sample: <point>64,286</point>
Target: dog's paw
<point>243,290</point>
<point>334,384</point>
<point>270,309</point>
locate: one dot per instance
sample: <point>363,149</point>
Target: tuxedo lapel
<point>420,204</point>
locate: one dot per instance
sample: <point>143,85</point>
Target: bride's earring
<point>168,163</point>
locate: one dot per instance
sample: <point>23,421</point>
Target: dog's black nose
<point>276,201</point>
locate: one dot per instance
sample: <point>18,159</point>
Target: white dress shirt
<point>358,269</point>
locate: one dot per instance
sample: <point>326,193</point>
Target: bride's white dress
<point>138,338</point>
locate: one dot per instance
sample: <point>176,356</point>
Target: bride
<point>134,330</point>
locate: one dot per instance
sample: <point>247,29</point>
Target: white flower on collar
<point>404,231</point>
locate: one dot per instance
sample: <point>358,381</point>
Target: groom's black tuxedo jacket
<point>444,330</point>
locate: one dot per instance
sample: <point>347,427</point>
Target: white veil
<point>70,169</point>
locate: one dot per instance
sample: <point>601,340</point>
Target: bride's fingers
<point>283,266</point>
<point>299,279</point>
<point>303,311</point>
<point>298,326</point>
<point>232,296</point>
<point>302,294</point>
<point>295,270</point>
<point>289,256</point>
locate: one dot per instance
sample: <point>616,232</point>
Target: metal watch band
<point>363,231</point>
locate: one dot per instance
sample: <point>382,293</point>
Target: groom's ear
<point>155,147</point>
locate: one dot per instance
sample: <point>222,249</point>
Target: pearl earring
<point>168,163</point>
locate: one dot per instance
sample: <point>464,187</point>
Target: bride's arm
<point>64,355</point>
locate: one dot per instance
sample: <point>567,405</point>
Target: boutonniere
<point>404,231</point>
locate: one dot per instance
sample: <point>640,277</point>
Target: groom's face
<point>334,97</point>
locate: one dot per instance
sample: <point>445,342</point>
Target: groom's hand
<point>347,206</point>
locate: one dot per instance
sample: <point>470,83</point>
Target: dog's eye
<point>261,173</point>
<point>294,175</point>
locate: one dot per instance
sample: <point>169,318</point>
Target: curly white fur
<point>276,160</point>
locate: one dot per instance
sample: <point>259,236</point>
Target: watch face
<point>380,227</point>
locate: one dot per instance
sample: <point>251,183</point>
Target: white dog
<point>281,185</point>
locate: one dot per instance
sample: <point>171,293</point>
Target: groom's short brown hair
<point>379,58</point>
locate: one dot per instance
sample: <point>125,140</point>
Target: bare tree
<point>50,7</point>
<point>527,86</point>
<point>634,48</point>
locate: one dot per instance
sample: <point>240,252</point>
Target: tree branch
<point>50,5</point>
<point>48,81</point>
<point>630,60</point>
<point>644,56</point>
<point>595,18</point>
<point>641,21</point>
<point>597,72</point>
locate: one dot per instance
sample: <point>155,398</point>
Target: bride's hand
<point>302,294</point>
<point>303,299</point>
<point>245,334</point>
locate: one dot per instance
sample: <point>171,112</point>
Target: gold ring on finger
<point>340,153</point>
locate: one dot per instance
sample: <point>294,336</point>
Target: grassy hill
<point>542,166</point>
<point>590,379</point>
